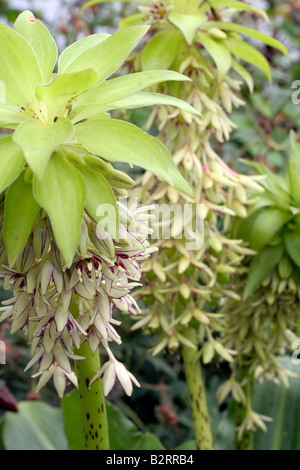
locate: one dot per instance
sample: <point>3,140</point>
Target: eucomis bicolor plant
<point>67,270</point>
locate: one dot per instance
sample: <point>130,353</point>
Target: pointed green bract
<point>38,141</point>
<point>218,52</point>
<point>187,23</point>
<point>261,266</point>
<point>120,141</point>
<point>160,52</point>
<point>266,226</point>
<point>64,88</point>
<point>40,40</point>
<point>19,68</point>
<point>109,55</point>
<point>62,193</point>
<point>99,193</point>
<point>21,210</point>
<point>127,85</point>
<point>140,100</point>
<point>249,54</point>
<point>12,162</point>
<point>252,33</point>
<point>77,48</point>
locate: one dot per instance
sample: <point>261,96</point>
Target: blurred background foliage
<point>160,406</point>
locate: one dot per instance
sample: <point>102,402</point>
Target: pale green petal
<point>38,141</point>
<point>62,193</point>
<point>40,40</point>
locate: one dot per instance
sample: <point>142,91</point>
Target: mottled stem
<point>92,400</point>
<point>200,415</point>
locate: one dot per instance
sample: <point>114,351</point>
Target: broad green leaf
<point>282,404</point>
<point>159,53</point>
<point>99,193</point>
<point>120,141</point>
<point>40,40</point>
<point>292,243</point>
<point>59,95</point>
<point>106,57</point>
<point>238,6</point>
<point>218,51</point>
<point>266,226</point>
<point>38,142</point>
<point>249,54</point>
<point>261,266</point>
<point>62,193</point>
<point>189,445</point>
<point>127,85</point>
<point>140,100</point>
<point>19,69</point>
<point>77,48</point>
<point>12,162</point>
<point>187,23</point>
<point>36,426</point>
<point>252,33</point>
<point>21,210</point>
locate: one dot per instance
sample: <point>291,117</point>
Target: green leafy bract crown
<point>207,23</point>
<point>62,136</point>
<point>272,226</point>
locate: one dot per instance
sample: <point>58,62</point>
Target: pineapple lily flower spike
<point>68,271</point>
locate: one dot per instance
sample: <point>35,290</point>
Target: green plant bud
<point>217,33</point>
<point>185,291</point>
<point>158,270</point>
<point>223,278</point>
<point>208,352</point>
<point>285,268</point>
<point>26,258</point>
<point>239,209</point>
<point>102,240</point>
<point>173,343</point>
<point>41,239</point>
<point>215,243</point>
<point>240,194</point>
<point>119,179</point>
<point>183,264</point>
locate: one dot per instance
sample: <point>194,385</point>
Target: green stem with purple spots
<point>198,402</point>
<point>92,400</point>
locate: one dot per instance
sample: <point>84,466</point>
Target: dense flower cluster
<point>103,273</point>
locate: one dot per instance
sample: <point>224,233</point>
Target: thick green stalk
<point>198,402</point>
<point>92,400</point>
